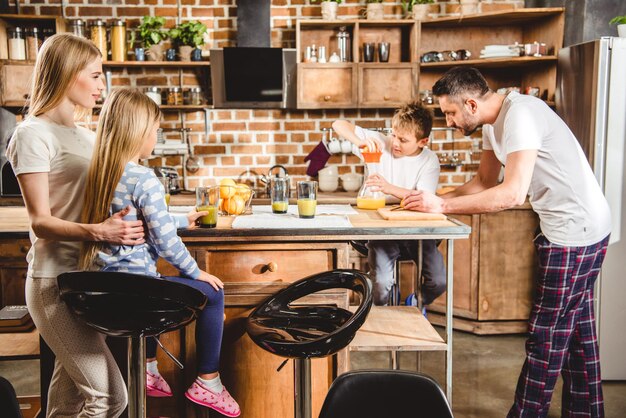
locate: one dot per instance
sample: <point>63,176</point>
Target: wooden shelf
<point>491,62</point>
<point>16,62</point>
<point>181,108</point>
<point>497,18</point>
<point>158,64</point>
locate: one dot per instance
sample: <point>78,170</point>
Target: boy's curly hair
<point>413,117</point>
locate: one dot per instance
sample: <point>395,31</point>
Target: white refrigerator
<point>591,98</point>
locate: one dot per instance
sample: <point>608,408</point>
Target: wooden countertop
<point>365,225</point>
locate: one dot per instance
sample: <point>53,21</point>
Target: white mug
<point>346,146</point>
<point>334,146</point>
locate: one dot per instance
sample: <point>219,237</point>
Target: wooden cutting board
<point>409,215</point>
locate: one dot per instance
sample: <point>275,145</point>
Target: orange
<point>227,188</point>
<point>244,191</point>
<point>235,205</point>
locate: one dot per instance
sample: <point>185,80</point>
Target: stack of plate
<point>499,51</point>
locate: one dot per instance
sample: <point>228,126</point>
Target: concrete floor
<point>485,371</point>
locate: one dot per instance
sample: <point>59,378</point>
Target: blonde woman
<point>50,156</point>
<point>126,133</point>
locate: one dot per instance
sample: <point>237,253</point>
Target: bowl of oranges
<point>235,198</point>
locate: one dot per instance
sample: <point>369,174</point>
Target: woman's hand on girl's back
<point>211,279</point>
<point>118,231</point>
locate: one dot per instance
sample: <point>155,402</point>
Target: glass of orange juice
<point>279,194</point>
<point>307,199</point>
<point>165,182</point>
<point>208,200</point>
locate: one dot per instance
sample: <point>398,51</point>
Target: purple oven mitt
<point>318,158</point>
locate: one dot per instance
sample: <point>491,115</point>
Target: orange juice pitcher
<point>367,197</point>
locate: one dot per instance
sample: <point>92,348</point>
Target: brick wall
<point>243,143</point>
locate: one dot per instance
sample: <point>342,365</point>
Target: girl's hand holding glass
<point>193,216</point>
<point>211,279</point>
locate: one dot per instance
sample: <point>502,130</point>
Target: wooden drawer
<point>327,86</point>
<point>386,85</point>
<point>14,249</point>
<point>12,284</point>
<point>15,82</point>
<point>267,265</point>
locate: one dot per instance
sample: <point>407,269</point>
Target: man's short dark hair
<point>461,81</point>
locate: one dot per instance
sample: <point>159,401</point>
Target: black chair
<point>303,332</point>
<point>134,306</point>
<point>385,393</point>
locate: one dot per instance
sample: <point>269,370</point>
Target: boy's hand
<point>212,280</point>
<point>372,144</point>
<point>193,216</point>
<point>378,184</point>
<point>422,201</point>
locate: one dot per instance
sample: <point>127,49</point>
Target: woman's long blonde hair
<point>58,63</point>
<point>126,120</point>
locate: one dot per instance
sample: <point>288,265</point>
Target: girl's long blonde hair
<point>125,123</point>
<point>58,63</point>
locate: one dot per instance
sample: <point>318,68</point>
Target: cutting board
<point>409,215</point>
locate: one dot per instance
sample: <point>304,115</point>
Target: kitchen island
<point>255,263</point>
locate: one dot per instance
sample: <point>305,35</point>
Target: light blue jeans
<point>382,256</point>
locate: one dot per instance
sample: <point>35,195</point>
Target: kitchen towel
<point>317,159</point>
<point>289,221</point>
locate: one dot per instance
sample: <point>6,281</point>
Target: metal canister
<point>343,44</point>
<point>77,27</point>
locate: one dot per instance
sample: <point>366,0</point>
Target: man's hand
<point>378,184</point>
<point>212,280</point>
<point>118,231</point>
<point>422,201</point>
<point>193,216</point>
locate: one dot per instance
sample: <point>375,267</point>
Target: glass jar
<point>77,27</point>
<point>174,96</point>
<point>46,33</point>
<point>155,94</point>
<point>33,43</point>
<point>194,96</point>
<point>343,45</point>
<point>98,35</point>
<point>368,198</point>
<point>118,40</point>
<point>17,45</point>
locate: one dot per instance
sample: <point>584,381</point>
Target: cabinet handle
<point>386,98</point>
<point>271,266</point>
<point>24,249</point>
<point>326,98</point>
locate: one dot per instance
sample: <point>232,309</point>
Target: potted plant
<point>374,9</point>
<point>620,21</point>
<point>189,36</point>
<point>417,9</point>
<point>152,35</point>
<point>329,8</point>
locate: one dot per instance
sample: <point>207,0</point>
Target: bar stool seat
<point>304,332</point>
<point>134,306</point>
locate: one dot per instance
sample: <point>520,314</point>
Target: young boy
<point>406,165</point>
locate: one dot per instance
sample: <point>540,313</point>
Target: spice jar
<point>194,96</point>
<point>17,45</point>
<point>174,96</point>
<point>154,93</point>
<point>77,27</point>
<point>33,43</point>
<point>118,40</point>
<point>98,35</point>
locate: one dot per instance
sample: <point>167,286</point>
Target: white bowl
<point>329,185</point>
<point>351,181</point>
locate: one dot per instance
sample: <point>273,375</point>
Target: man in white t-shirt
<point>406,164</point>
<point>541,159</point>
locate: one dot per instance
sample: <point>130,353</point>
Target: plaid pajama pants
<point>562,334</point>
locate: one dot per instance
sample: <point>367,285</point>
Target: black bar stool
<point>133,306</point>
<point>304,332</point>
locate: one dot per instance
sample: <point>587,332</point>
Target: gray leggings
<point>86,381</point>
<point>382,256</point>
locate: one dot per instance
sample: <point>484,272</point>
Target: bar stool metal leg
<point>136,378</point>
<point>302,377</point>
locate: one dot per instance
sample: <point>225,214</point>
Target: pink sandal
<point>156,386</point>
<point>221,402</point>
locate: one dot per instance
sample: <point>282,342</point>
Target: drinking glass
<point>307,199</point>
<point>369,50</point>
<point>165,182</point>
<point>279,194</point>
<point>208,200</point>
<point>383,51</point>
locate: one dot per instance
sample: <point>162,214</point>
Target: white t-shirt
<point>563,190</point>
<point>417,172</point>
<point>38,146</point>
